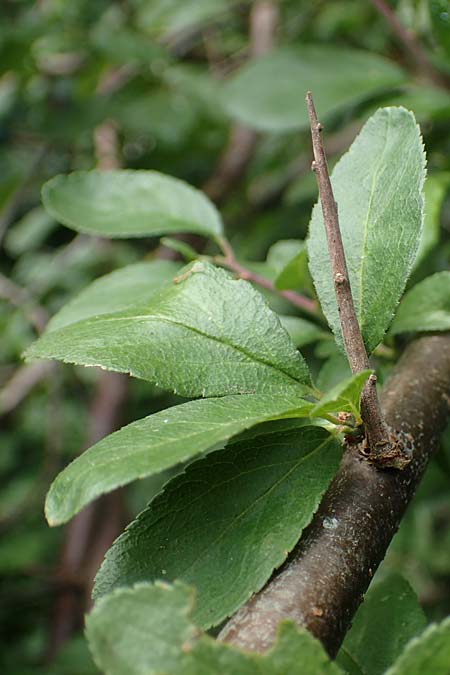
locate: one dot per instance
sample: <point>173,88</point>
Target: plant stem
<point>229,261</point>
<point>376,429</point>
<point>325,577</point>
<point>413,46</point>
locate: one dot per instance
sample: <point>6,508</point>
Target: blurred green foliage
<point>159,69</point>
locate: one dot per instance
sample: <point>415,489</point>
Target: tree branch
<point>412,45</point>
<point>229,261</point>
<point>20,297</point>
<point>375,426</point>
<point>324,579</point>
<point>242,141</point>
<point>23,380</point>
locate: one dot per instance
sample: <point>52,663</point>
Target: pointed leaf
<point>295,274</point>
<point>248,502</point>
<point>147,630</point>
<point>290,260</point>
<point>303,332</point>
<point>426,307</point>
<point>355,76</point>
<point>378,188</point>
<point>429,653</point>
<point>157,442</point>
<point>129,286</point>
<point>435,190</point>
<point>206,334</point>
<point>282,252</point>
<point>384,624</point>
<point>129,204</point>
<point>334,370</point>
<point>344,397</point>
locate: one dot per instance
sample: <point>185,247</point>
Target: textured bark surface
<point>324,580</point>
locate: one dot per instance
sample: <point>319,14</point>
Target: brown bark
<point>324,579</point>
<point>375,427</point>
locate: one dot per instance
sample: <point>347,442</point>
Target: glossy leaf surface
<point>129,204</point>
<point>248,502</point>
<point>157,442</point>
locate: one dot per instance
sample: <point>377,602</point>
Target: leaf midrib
<point>105,460</point>
<point>250,506</point>
<point>222,341</point>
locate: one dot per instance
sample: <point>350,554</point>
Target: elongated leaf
<point>290,260</point>
<point>157,442</point>
<point>378,188</point>
<point>248,502</point>
<point>129,204</point>
<point>29,232</point>
<point>429,653</point>
<point>384,624</point>
<point>344,397</point>
<point>435,189</point>
<point>130,286</point>
<point>426,307</point>
<point>282,252</point>
<point>296,273</point>
<point>147,630</point>
<point>303,332</point>
<point>334,370</point>
<point>440,21</point>
<point>355,75</point>
<point>204,335</point>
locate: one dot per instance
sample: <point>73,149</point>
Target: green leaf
<point>282,252</point>
<point>183,248</point>
<point>426,307</point>
<point>248,502</point>
<point>378,188</point>
<point>206,334</point>
<point>429,653</point>
<point>289,259</point>
<point>303,332</point>
<point>147,630</point>
<point>355,76</point>
<point>295,274</point>
<point>141,631</point>
<point>129,204</point>
<point>440,21</point>
<point>425,101</point>
<point>435,190</point>
<point>334,370</point>
<point>29,232</point>
<point>129,286</point>
<point>344,397</point>
<point>383,625</point>
<point>159,441</point>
